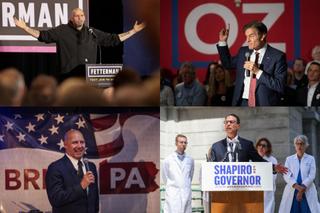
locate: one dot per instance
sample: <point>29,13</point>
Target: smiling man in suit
<point>71,182</point>
<point>234,148</point>
<point>261,69</point>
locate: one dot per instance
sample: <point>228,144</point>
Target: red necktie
<point>253,83</point>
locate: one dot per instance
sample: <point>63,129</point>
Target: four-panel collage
<point>149,106</point>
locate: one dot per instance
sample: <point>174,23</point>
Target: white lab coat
<point>269,202</point>
<point>308,173</point>
<point>177,176</point>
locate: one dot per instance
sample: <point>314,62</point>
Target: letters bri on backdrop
<point>45,131</point>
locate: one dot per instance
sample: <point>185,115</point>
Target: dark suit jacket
<point>270,85</point>
<point>247,152</point>
<point>302,96</point>
<point>65,192</point>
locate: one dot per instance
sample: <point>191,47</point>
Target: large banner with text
<point>38,14</point>
<point>191,28</point>
<point>124,147</point>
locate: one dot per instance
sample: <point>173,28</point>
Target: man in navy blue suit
<point>71,182</point>
<point>261,69</point>
<point>235,148</point>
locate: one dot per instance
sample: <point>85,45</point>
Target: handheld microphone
<point>86,164</point>
<point>92,32</point>
<point>247,54</point>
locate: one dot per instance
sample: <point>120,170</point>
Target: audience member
<point>315,54</point>
<point>210,68</point>
<point>12,87</point>
<point>220,87</point>
<point>300,79</point>
<point>76,92</point>
<point>190,92</point>
<point>309,95</point>
<point>288,98</point>
<point>43,91</point>
<point>166,94</point>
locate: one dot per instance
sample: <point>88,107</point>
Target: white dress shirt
<point>75,163</point>
<point>246,81</point>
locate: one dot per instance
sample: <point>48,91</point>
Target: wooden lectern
<point>236,202</point>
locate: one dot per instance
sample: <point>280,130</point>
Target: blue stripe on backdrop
<point>137,53</point>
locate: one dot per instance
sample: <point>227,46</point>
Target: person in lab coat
<point>300,194</point>
<point>177,173</point>
<point>264,148</point>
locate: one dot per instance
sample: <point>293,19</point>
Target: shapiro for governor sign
<point>38,14</point>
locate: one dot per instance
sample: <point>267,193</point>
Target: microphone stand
<point>99,46</point>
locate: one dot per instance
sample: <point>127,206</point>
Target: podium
<point>236,187</point>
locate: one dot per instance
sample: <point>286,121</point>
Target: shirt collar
<point>74,161</point>
<point>262,50</point>
<point>235,139</point>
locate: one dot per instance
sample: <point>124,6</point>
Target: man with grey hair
<point>71,181</point>
<point>76,43</point>
<point>177,174</point>
<point>189,92</point>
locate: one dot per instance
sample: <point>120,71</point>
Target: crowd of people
<point>258,75</point>
<point>128,90</point>
<point>184,89</point>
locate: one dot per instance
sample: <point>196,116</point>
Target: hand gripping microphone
<point>86,164</point>
<point>247,54</point>
<point>92,32</point>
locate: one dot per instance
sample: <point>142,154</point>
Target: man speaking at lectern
<point>235,148</point>
<point>76,43</point>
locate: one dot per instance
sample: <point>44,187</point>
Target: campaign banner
<point>124,146</point>
<point>192,28</point>
<point>102,75</point>
<point>38,14</point>
<point>236,176</point>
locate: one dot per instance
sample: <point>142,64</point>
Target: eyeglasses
<point>185,142</point>
<point>262,145</point>
<point>231,122</point>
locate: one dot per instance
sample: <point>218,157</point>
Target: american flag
<point>45,130</point>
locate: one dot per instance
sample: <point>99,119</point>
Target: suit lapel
<point>265,60</point>
<point>70,167</point>
<point>316,97</point>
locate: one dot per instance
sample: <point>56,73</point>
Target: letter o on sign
<point>193,18</point>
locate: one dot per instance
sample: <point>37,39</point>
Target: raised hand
<point>138,27</point>
<point>19,23</point>
<point>224,34</point>
<point>279,168</point>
